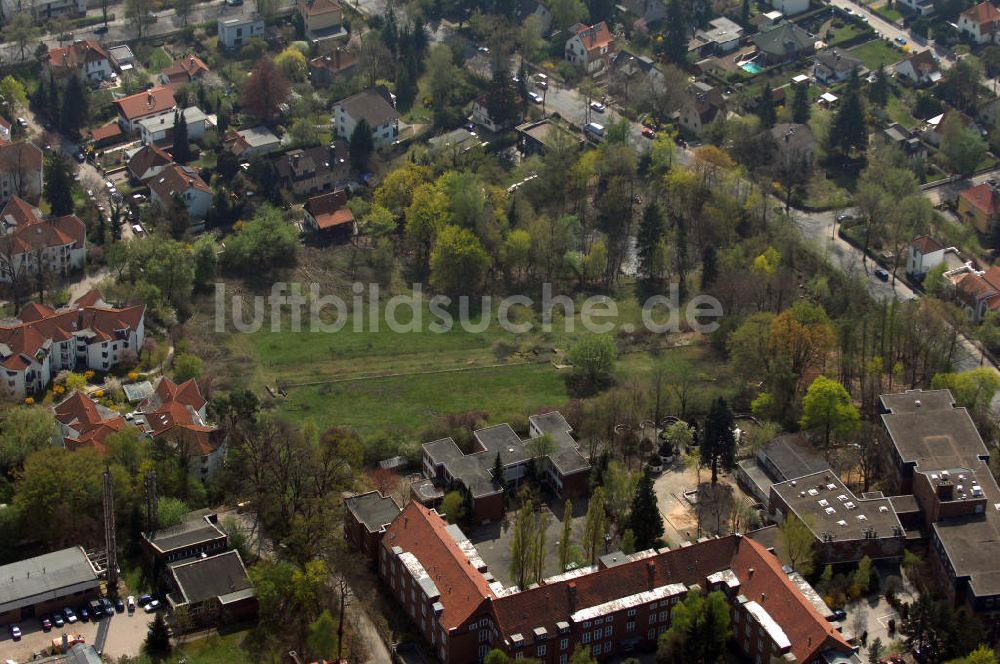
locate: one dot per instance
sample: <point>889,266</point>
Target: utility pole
<point>152,502</point>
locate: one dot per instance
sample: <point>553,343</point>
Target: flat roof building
<point>214,590</point>
<point>199,534</point>
<point>368,515</point>
<point>52,580</point>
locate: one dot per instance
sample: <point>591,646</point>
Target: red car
<point>46,624</point>
<point>648,132</point>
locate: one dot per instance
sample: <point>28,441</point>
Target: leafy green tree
<point>567,535</point>
<point>875,651</point>
<point>265,243</point>
<point>594,526</point>
<point>628,541</point>
<point>74,111</point>
<point>974,389</point>
<point>645,520</point>
<point>718,447</point>
<point>593,358</point>
<point>205,252</point>
<point>962,147</point>
<point>699,630</point>
<point>182,146</point>
<point>427,214</point>
<point>765,108</point>
<point>13,96</point>
<point>676,36</point>
<point>264,90</point>
<point>453,506</point>
<point>878,93</point>
<point>23,430</point>
<point>170,511</point>
<point>58,187</point>
<point>848,130</point>
<point>496,656</point>
<point>458,261</point>
<point>566,13</point>
<point>863,574</point>
<point>157,644</point>
<point>186,367</point>
<point>652,229</point>
<point>362,146</point>
<point>981,655</point>
<point>322,638</point>
<point>709,266</point>
<point>801,108</point>
<point>827,408</point>
<point>795,544</point>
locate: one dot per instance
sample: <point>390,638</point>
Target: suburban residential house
<point>322,19</point>
<point>5,128</point>
<point>980,23</point>
<point>907,141</point>
<point>329,216</point>
<point>527,8</point>
<point>184,183</point>
<point>702,104</point>
<point>30,243</point>
<point>976,291</point>
<point>796,144</point>
<point>721,36</point>
<point>197,535</point>
<point>45,10</point>
<point>535,137</point>
<point>122,57</point>
<point>246,143</point>
<point>160,129</point>
<point>109,134</point>
<point>145,105</point>
<point>178,414</point>
<point>785,42</point>
<point>185,70</point>
<point>978,206</point>
<point>790,7</point>
<point>921,7</point>
<point>88,334</point>
<point>325,69</point>
<point>376,107</point>
<point>834,65</point>
<point>146,162</point>
<point>309,171</point>
<point>933,129</point>
<point>85,423</point>
<point>591,47</point>
<point>20,171</point>
<point>213,591</point>
<point>455,142</point>
<point>619,606</point>
<point>234,33</point>
<point>481,115</point>
<point>87,58</point>
<point>926,253</point>
<point>564,467</point>
<point>370,515</point>
<point>920,68</point>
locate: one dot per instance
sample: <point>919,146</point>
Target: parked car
<point>130,603</point>
<point>84,614</point>
<point>535,97</point>
<point>22,123</point>
<point>15,632</point>
<point>145,599</point>
<point>597,106</point>
<point>137,229</point>
<point>900,41</point>
<point>844,217</point>
<point>234,3</point>
<point>152,607</point>
<point>46,624</point>
<point>881,274</point>
<point>119,606</point>
<point>57,619</point>
<point>648,132</point>
<point>70,616</point>
<point>655,464</point>
<point>840,614</point>
<point>80,157</point>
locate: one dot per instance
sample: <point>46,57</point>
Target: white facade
<point>236,32</point>
<point>384,134</point>
<point>59,259</point>
<point>154,130</point>
<point>98,70</point>
<point>195,200</point>
<point>790,7</point>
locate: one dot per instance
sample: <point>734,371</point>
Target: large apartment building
<point>31,243</point>
<point>88,334</point>
<point>617,607</point>
<point>560,461</point>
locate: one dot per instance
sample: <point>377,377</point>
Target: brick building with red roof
<point>184,70</point>
<point>85,423</point>
<point>591,46</point>
<point>142,105</point>
<point>981,23</point>
<point>89,334</point>
<point>611,610</point>
<point>87,58</point>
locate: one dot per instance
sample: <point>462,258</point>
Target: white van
<point>594,129</point>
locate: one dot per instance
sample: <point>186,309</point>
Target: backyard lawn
<point>899,111</point>
<point>889,13</point>
<point>876,53</point>
<point>226,649</point>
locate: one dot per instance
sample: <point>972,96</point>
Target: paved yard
<point>679,520</point>
<point>872,614</point>
<point>118,635</point>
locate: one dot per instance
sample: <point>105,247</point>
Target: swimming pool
<point>751,67</point>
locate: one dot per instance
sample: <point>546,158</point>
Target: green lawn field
<point>876,53</point>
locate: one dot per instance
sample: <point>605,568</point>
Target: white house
<point>236,32</point>
<point>183,182</point>
<point>721,36</point>
<point>980,23</point>
<point>591,47</point>
<point>921,7</point>
<point>248,142</point>
<point>152,103</point>
<point>790,7</point>
<point>374,106</point>
<point>926,253</point>
<point>88,334</point>
<point>88,58</point>
<point>29,243</point>
<point>834,65</point>
<point>921,68</point>
<point>161,128</point>
<point>178,414</point>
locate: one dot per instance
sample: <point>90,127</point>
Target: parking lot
<point>115,636</point>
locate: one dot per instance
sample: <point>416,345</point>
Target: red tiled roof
<point>76,55</point>
<point>81,413</point>
<point>982,198</point>
<point>316,7</point>
<point>189,67</point>
<point>596,36</point>
<point>146,158</point>
<point>88,299</point>
<point>770,587</point>
<point>423,533</point>
<point>33,233</point>
<point>107,132</point>
<point>171,411</point>
<point>19,211</point>
<point>34,311</point>
<point>984,14</point>
<point>139,105</point>
<point>330,210</point>
<point>925,244</point>
<point>176,179</point>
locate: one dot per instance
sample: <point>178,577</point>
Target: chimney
<point>571,589</point>
<point>336,59</point>
<point>750,573</point>
<point>651,574</point>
